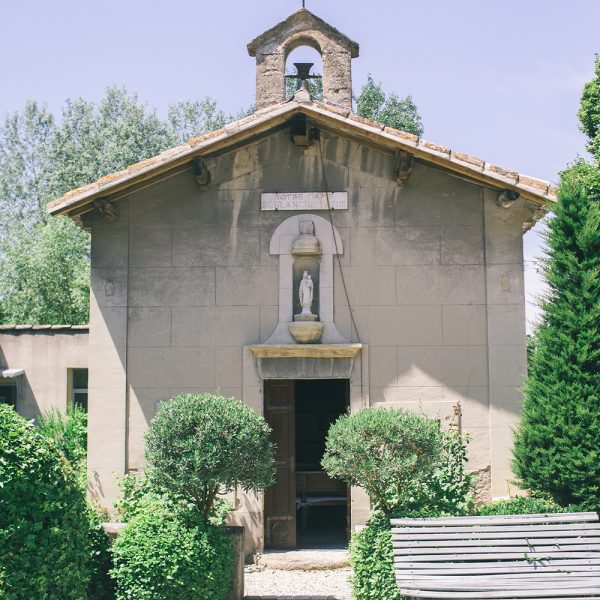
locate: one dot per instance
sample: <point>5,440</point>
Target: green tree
<point>393,111</point>
<point>170,552</point>
<point>201,444</point>
<point>390,453</point>
<point>557,445</point>
<point>188,119</point>
<point>25,140</point>
<point>44,263</point>
<point>94,140</point>
<point>44,274</point>
<point>589,113</point>
<point>69,434</point>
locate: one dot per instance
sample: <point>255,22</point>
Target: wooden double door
<point>281,508</point>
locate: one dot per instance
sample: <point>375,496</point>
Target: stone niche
<point>306,245</point>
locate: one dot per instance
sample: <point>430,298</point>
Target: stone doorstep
<point>303,560</point>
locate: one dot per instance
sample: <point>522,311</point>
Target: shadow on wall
<point>190,280</point>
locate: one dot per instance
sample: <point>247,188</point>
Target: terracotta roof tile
<point>405,135</point>
<point>532,182</point>
<point>437,148</point>
<point>139,166</point>
<point>509,174</point>
<point>111,177</point>
<point>368,122</point>
<point>171,152</point>
<point>206,136</point>
<point>338,110</point>
<point>468,159</point>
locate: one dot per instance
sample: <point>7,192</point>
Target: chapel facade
<point>307,262</point>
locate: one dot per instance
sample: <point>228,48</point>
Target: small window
<point>8,395</point>
<point>78,388</point>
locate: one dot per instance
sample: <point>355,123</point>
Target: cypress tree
<point>557,445</point>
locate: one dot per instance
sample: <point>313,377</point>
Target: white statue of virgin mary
<point>305,293</point>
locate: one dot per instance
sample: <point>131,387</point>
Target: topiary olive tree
<point>409,467</point>
<point>201,444</point>
<point>387,452</point>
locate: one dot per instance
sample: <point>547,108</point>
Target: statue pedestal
<point>306,317</point>
<point>306,332</point>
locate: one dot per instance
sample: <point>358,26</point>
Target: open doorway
<point>305,508</point>
<point>322,502</point>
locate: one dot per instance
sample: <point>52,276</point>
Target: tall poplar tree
<point>557,445</point>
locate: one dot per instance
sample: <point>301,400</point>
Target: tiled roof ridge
<point>504,175</point>
<point>29,327</point>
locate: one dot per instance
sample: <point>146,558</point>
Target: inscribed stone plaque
<point>304,201</point>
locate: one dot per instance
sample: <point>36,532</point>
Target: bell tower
<point>302,28</point>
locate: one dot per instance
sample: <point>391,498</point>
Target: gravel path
<point>315,585</point>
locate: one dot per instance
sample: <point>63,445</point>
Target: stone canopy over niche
<point>284,244</point>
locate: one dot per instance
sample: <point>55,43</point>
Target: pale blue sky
<point>500,80</point>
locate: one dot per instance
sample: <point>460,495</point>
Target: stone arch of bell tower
<point>302,28</point>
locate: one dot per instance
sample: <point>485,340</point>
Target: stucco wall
<point>184,279</point>
<point>45,355</point>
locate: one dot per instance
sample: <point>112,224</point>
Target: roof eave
<point>537,191</point>
<point>171,159</point>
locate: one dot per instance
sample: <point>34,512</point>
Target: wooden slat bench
<point>555,556</point>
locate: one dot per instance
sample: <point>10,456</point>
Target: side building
<point>43,368</point>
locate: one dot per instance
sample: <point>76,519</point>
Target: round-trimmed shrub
<point>201,444</point>
<point>385,451</point>
<point>171,552</point>
<point>45,546</point>
<point>409,468</point>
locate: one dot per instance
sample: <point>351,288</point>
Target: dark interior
<point>8,394</point>
<point>322,513</point>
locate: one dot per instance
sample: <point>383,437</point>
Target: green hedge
<point>525,505</point>
<point>101,586</point>
<point>45,546</point>
<point>171,552</point>
<point>372,562</point>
